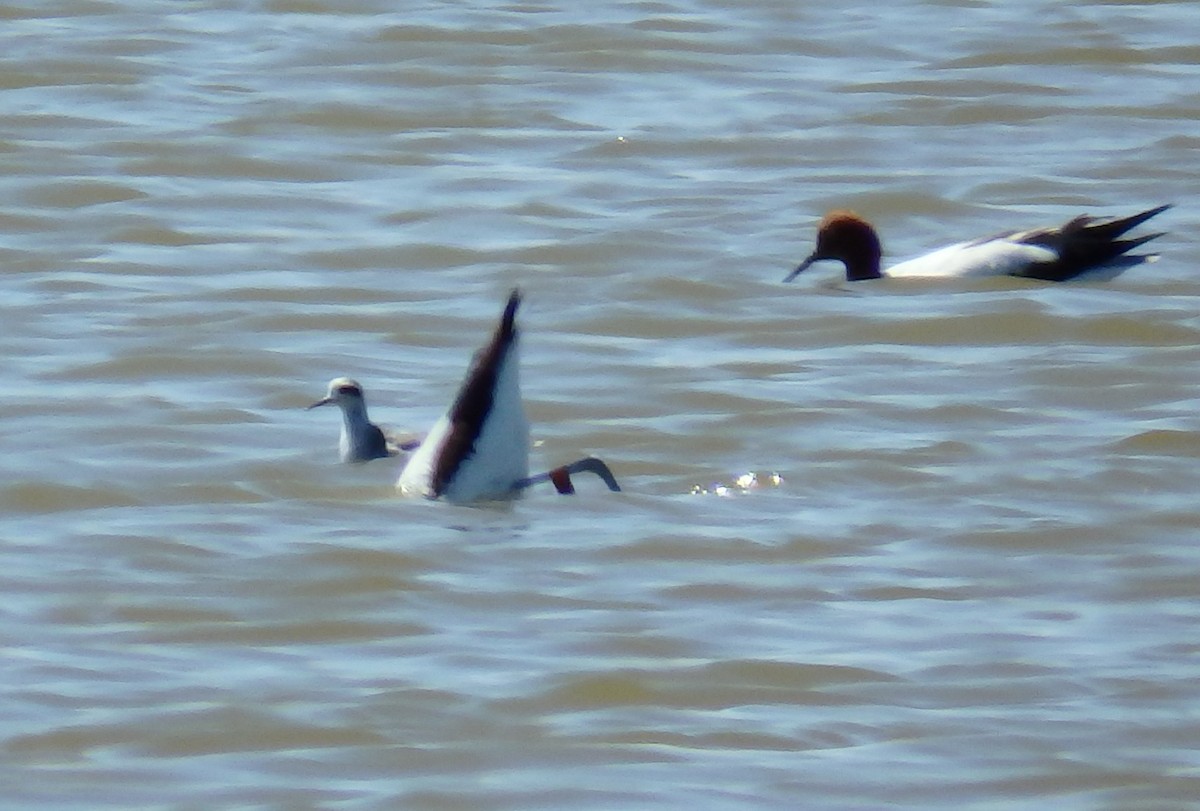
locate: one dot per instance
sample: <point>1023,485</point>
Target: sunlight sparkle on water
<point>740,485</point>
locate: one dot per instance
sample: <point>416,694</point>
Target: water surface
<point>965,576</point>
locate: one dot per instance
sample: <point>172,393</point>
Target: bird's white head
<point>343,392</point>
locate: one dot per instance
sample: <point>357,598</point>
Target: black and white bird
<point>1052,254</point>
<point>479,449</point>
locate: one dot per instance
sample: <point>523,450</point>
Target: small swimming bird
<point>361,440</point>
<point>1050,254</point>
<point>479,449</point>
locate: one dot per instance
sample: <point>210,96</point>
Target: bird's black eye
<point>353,391</point>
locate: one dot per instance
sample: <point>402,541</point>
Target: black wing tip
<point>507,326</point>
<point>514,301</point>
<point>1119,225</point>
<point>1130,244</point>
<point>1138,219</point>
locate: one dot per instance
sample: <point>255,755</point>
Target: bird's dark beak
<point>803,266</point>
<point>319,403</point>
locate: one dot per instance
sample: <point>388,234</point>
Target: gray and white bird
<point>361,440</point>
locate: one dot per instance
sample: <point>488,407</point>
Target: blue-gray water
<point>973,585</point>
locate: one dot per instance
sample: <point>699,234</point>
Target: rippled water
<point>965,577</point>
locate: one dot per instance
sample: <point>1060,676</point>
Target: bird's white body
<point>499,460</point>
<point>995,256</point>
